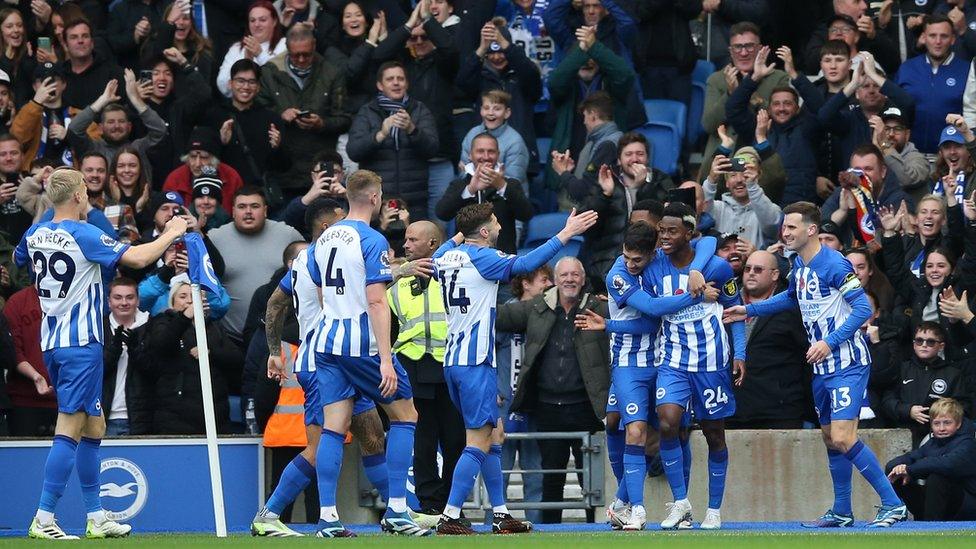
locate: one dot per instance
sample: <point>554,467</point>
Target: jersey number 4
<point>334,280</point>
<point>45,267</point>
<point>454,300</point>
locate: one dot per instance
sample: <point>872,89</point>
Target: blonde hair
<point>359,184</point>
<point>948,407</point>
<point>175,289</point>
<point>933,198</point>
<point>63,183</point>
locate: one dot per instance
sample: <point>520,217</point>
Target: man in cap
<point>207,196</point>
<point>893,136</point>
<point>41,124</point>
<point>203,150</point>
<point>114,123</point>
<point>744,210</point>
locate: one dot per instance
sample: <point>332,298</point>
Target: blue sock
<point>635,469</point>
<point>686,460</point>
<point>375,467</point>
<point>840,472</point>
<point>622,493</point>
<point>399,456</point>
<point>294,479</point>
<point>328,462</point>
<point>57,469</point>
<point>718,464</point>
<point>89,468</point>
<point>491,472</point>
<point>465,473</point>
<point>615,453</point>
<point>673,459</point>
<point>867,463</point>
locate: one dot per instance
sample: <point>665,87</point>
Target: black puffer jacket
<point>404,169</point>
<point>138,385</point>
<point>953,457</point>
<point>922,383</point>
<point>178,406</point>
<point>603,240</point>
<point>509,208</point>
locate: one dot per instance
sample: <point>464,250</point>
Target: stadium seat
<point>668,112</point>
<point>572,248</point>
<point>699,76</point>
<point>665,145</point>
<point>542,227</point>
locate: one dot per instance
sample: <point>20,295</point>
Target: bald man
<point>421,328</point>
<point>777,393</point>
<point>565,372</point>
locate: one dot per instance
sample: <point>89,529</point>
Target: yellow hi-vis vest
<point>423,324</point>
<point>286,426</point>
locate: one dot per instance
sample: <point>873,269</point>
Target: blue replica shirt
<point>348,256</point>
<point>832,305</point>
<point>68,259</point>
<point>628,349</point>
<point>469,277</point>
<point>694,338</point>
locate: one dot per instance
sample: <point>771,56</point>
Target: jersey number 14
<point>460,299</point>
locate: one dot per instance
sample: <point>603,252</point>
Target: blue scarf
<point>393,107</point>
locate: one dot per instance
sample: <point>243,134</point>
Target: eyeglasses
<point>245,81</point>
<point>418,38</point>
<point>927,341</point>
<point>894,129</point>
<point>840,30</point>
<point>758,269</point>
<point>748,48</point>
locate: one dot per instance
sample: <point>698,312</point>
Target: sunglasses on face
<point>927,341</point>
<point>758,269</point>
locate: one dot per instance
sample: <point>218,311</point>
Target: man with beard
<point>910,167</point>
<point>744,210</point>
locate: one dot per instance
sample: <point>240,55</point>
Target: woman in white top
<point>263,41</point>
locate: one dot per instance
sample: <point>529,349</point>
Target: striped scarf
<point>392,107</point>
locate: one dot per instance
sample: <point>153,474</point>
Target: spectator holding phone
<point>392,222</point>
<point>41,124</point>
<point>947,463</point>
<point>327,181</point>
<point>177,30</point>
<point>745,209</point>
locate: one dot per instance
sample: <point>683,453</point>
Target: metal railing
<point>590,474</point>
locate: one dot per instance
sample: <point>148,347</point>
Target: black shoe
<point>453,527</point>
<point>504,523</point>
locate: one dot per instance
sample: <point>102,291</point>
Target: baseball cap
<point>47,70</point>
<point>951,134</point>
<point>893,113</point>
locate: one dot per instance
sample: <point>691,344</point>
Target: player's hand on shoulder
<point>696,283</point>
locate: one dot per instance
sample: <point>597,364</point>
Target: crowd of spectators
<point>240,115</point>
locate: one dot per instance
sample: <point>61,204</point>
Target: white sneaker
<point>618,514</point>
<point>637,519</point>
<point>47,531</point>
<point>713,520</point>
<point>677,512</point>
<point>106,529</point>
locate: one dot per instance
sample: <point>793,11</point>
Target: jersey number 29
<point>45,267</point>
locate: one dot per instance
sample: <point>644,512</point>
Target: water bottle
<point>250,422</point>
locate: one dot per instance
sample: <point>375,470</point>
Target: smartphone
<point>179,247</point>
<point>44,43</point>
<point>145,75</point>
<point>393,205</point>
<point>328,168</point>
<point>304,114</point>
<point>737,165</point>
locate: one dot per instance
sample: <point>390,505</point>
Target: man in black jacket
<point>85,71</point>
<point>395,135</point>
<point>777,394</point>
<point>486,182</point>
<point>925,378</point>
<point>947,462</point>
<point>125,390</point>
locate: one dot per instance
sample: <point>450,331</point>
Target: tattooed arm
<point>279,305</point>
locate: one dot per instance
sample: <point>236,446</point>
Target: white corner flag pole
<point>209,417</point>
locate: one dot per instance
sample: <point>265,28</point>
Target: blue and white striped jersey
<point>693,338</point>
<point>298,284</point>
<point>469,277</point>
<point>68,259</point>
<point>349,256</point>
<point>627,349</point>
<point>824,290</point>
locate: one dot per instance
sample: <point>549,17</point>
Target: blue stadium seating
<point>703,69</point>
<point>543,199</point>
<point>665,143</point>
<point>542,227</point>
<point>668,112</point>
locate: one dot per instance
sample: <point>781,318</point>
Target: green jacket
<point>535,318</point>
<point>324,95</point>
<point>564,92</point>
